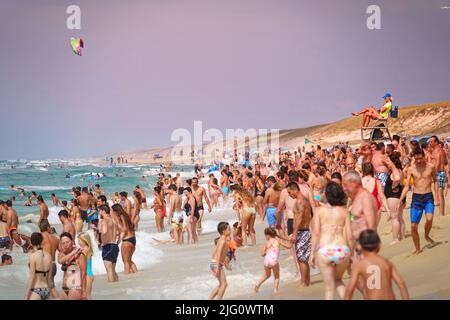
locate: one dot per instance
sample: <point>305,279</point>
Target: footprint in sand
<point>432,245</point>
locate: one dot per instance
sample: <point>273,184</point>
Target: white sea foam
<point>44,188</point>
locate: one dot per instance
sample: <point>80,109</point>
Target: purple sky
<point>150,67</point>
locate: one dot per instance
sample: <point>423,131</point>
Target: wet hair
<point>39,198</point>
<point>369,240</point>
<point>336,175</point>
<point>271,232</point>
<point>173,187</point>
<point>138,196</point>
<point>188,189</point>
<point>63,213</point>
<point>216,240</point>
<point>117,208</point>
<point>8,203</point>
<point>53,195</point>
<point>97,185</point>
<point>85,189</point>
<point>367,169</point>
<point>36,239</point>
<point>6,257</point>
<point>293,186</point>
<point>102,198</point>
<point>123,194</point>
<point>335,194</point>
<point>44,225</point>
<point>222,226</point>
<point>66,234</point>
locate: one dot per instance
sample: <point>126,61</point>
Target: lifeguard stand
<point>380,131</point>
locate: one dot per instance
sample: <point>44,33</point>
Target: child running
<point>218,260</point>
<point>376,271</point>
<point>271,254</point>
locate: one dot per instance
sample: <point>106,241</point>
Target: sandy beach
<point>182,272</point>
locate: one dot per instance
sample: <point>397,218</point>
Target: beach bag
<point>378,133</point>
<point>394,112</point>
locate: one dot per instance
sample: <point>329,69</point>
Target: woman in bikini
<point>136,210</point>
<point>159,208</point>
<point>245,202</point>
<point>318,184</point>
<point>259,193</point>
<point>332,240</point>
<point>374,186</point>
<point>40,265</point>
<point>76,216</point>
<point>128,238</point>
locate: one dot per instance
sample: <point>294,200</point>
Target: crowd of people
<point>324,206</point>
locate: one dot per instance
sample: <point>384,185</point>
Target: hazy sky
<point>149,67</point>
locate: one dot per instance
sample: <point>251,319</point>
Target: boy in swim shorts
<point>219,259</point>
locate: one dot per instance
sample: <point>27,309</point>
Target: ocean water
<point>47,177</point>
<point>149,256</point>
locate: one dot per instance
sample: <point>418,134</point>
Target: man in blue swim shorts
<point>422,199</point>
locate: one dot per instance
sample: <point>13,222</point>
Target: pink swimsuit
<point>271,258</point>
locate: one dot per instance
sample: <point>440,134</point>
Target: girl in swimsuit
<point>332,240</point>
<point>128,237</point>
<point>271,254</point>
<point>158,205</point>
<point>245,201</point>
<point>40,264</point>
<point>86,245</point>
